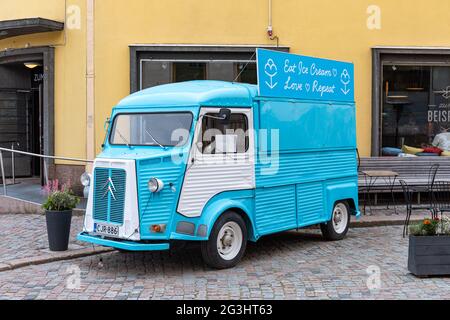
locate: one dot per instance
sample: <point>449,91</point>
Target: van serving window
<point>220,137</point>
<point>151,129</point>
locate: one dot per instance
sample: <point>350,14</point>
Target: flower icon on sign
<point>345,80</point>
<point>271,70</point>
<point>345,77</point>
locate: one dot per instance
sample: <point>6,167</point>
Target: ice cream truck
<point>224,163</point>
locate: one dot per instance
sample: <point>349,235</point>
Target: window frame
<point>189,53</point>
<point>247,136</point>
<point>431,92</point>
<point>397,55</point>
<point>173,67</point>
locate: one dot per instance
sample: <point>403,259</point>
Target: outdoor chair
<point>428,188</point>
<point>410,207</point>
<point>441,191</point>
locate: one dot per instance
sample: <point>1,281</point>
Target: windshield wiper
<point>127,143</point>
<point>154,140</point>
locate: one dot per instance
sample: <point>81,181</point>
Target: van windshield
<point>151,129</point>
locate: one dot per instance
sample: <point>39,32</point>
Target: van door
<point>221,159</point>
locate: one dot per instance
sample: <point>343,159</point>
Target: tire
<point>337,227</point>
<point>230,232</point>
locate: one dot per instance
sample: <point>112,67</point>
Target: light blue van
<point>216,162</point>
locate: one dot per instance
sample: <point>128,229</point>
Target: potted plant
<point>58,214</point>
<point>429,247</point>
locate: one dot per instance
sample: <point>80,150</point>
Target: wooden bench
<point>414,171</point>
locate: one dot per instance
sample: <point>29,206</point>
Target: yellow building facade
<point>98,52</point>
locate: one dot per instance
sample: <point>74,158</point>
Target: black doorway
<point>21,116</point>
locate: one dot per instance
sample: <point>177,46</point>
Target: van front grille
<point>109,195</point>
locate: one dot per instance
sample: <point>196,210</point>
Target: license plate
<point>106,230</point>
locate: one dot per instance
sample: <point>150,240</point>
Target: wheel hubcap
<point>229,241</point>
<point>340,218</point>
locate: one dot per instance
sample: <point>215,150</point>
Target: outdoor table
<point>371,177</point>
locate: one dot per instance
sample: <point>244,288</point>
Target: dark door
<point>16,129</point>
<point>38,131</point>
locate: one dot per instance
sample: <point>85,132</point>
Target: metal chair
<point>410,207</point>
<point>430,184</point>
<point>441,191</point>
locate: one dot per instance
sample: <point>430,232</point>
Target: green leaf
<point>61,201</point>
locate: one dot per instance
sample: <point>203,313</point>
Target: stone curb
<point>48,258</point>
<point>382,223</point>
<point>4,267</point>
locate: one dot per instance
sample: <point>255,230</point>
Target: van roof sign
<point>285,75</point>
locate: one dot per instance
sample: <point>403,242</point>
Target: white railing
<point>44,157</point>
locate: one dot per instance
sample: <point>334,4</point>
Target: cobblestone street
<point>25,236</point>
<point>291,265</point>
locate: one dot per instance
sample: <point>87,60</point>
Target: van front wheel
<point>227,242</point>
<point>337,227</point>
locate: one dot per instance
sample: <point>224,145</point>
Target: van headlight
<point>85,179</point>
<point>155,185</point>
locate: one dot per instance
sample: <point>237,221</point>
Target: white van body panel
<point>130,228</point>
<point>211,174</point>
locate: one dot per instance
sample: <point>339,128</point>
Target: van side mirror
<point>107,123</point>
<point>225,115</point>
<point>106,128</point>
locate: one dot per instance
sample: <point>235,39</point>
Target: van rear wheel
<point>337,227</point>
<point>227,242</point>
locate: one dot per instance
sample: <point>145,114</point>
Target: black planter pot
<point>58,229</point>
<point>429,255</point>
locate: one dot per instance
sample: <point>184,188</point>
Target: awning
<point>20,27</point>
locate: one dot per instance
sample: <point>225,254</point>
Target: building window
<point>161,64</point>
<point>247,73</point>
<point>189,71</point>
<point>410,106</point>
<point>415,106</point>
<point>219,137</point>
<point>162,72</point>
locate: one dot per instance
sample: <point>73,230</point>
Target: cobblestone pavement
<point>25,235</point>
<point>291,265</point>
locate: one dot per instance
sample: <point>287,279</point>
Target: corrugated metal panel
<point>116,210</point>
<point>100,202</point>
<point>206,179</point>
<point>310,203</point>
<point>275,209</point>
<point>157,208</point>
<point>295,168</point>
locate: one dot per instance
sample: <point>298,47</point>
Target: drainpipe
<point>270,27</point>
<point>90,82</point>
